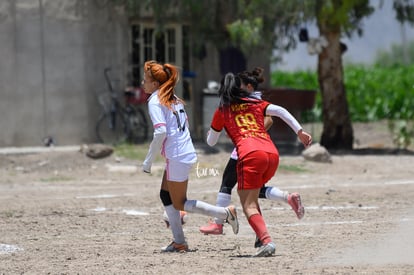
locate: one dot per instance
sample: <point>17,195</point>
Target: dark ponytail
<point>230,91</point>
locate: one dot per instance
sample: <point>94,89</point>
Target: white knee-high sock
<point>175,223</point>
<point>223,200</point>
<point>275,194</point>
<point>200,207</point>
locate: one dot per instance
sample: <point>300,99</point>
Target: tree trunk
<point>337,129</point>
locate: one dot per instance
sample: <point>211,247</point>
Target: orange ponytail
<point>167,76</point>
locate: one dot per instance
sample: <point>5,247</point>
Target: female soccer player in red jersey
<point>249,82</point>
<point>242,117</point>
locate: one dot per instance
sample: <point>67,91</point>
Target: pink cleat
<point>212,228</point>
<point>296,204</point>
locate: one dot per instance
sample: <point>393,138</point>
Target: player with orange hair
<point>172,138</point>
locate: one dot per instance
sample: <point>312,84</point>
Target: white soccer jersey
<point>177,144</point>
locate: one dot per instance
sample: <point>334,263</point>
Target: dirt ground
<point>64,213</point>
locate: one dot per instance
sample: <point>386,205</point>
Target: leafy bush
<point>402,132</point>
<point>307,80</point>
<point>376,93</point>
<point>373,93</point>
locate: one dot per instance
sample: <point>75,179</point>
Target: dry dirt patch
<point>64,213</point>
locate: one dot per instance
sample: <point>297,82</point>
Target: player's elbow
<point>160,132</point>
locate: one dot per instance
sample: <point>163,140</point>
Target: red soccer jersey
<point>244,124</point>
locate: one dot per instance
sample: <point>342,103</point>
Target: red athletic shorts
<point>256,169</point>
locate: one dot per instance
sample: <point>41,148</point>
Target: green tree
<point>334,19</point>
<point>265,25</point>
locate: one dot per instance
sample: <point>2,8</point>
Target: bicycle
<point>119,123</point>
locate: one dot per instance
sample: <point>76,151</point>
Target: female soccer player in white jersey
<point>172,138</point>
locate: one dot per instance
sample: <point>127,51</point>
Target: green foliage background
<point>383,90</point>
<point>373,92</point>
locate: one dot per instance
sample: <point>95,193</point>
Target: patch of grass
<point>134,151</point>
<point>8,214</point>
<point>293,168</point>
<point>11,214</point>
<point>56,178</point>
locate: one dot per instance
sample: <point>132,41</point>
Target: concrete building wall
<point>53,53</point>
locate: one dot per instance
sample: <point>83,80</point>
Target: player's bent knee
<point>165,197</point>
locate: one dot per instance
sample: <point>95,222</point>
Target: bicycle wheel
<point>111,128</point>
<point>137,125</point>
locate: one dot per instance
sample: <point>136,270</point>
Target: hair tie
<point>167,71</point>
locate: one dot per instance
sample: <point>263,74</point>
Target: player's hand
<point>146,167</point>
<point>305,138</point>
